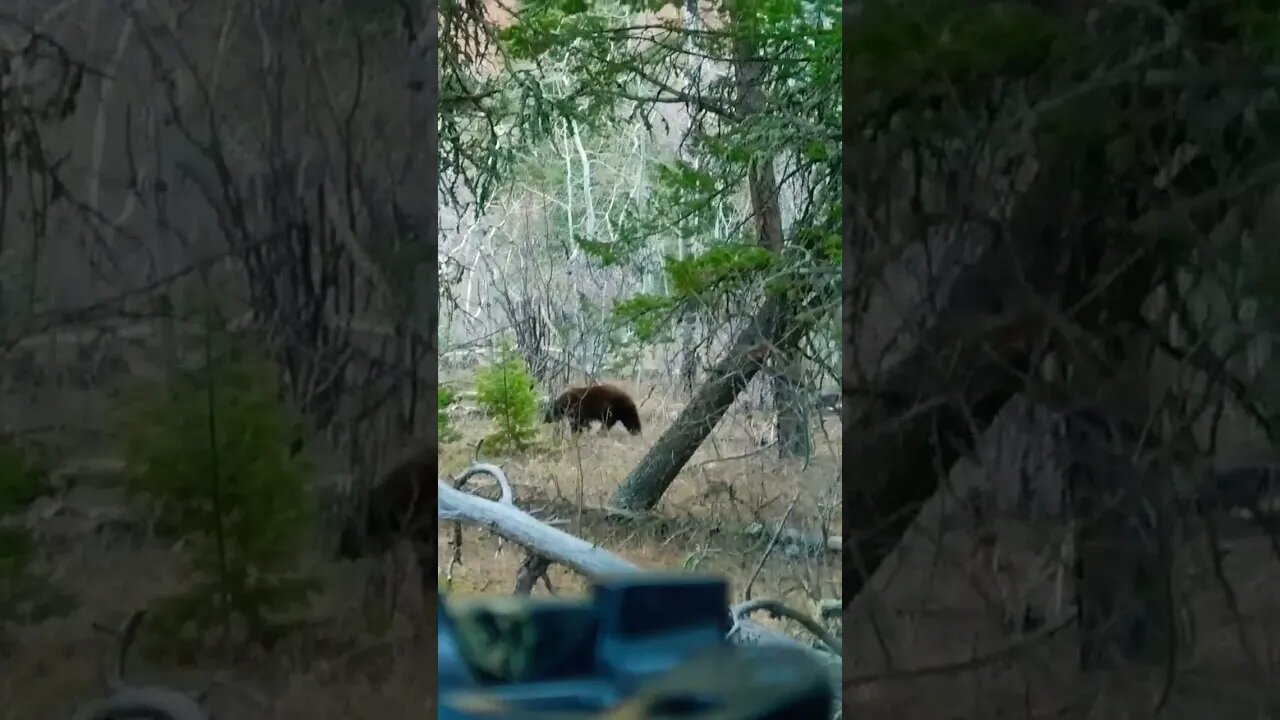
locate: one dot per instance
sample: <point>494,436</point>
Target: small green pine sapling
<point>214,454</point>
<point>445,432</point>
<point>24,593</point>
<point>506,391</point>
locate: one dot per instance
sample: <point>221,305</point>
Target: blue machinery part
<point>644,646</point>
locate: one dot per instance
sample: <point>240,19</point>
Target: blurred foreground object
<point>645,646</point>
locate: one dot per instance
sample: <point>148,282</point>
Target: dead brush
<point>146,702</point>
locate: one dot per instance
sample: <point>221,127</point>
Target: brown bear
<point>400,505</point>
<point>605,404</point>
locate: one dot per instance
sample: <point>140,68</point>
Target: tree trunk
<point>787,366</point>
<point>688,328</point>
<point>688,358</point>
<point>1127,534</point>
<point>1124,502</point>
<point>791,403</point>
<point>646,483</point>
<point>1125,537</point>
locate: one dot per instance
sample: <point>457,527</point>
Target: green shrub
<point>24,476</point>
<point>445,432</point>
<point>222,477</point>
<point>506,391</point>
<point>17,550</point>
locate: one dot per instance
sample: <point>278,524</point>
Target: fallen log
<point>503,518</point>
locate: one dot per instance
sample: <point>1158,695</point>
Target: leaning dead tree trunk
<point>969,365</point>
<point>646,483</point>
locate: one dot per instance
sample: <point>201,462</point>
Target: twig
<point>127,636</point>
<point>975,663</point>
<point>129,701</point>
<point>769,548</point>
<point>778,609</point>
<point>507,498</point>
<point>533,568</point>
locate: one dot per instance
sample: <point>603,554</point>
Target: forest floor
<point>931,638</point>
<point>704,522</point>
<point>99,564</point>
<point>102,565</point>
<point>942,631</point>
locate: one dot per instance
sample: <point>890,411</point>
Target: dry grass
<point>334,668</point>
<point>700,524</point>
<point>928,640</point>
